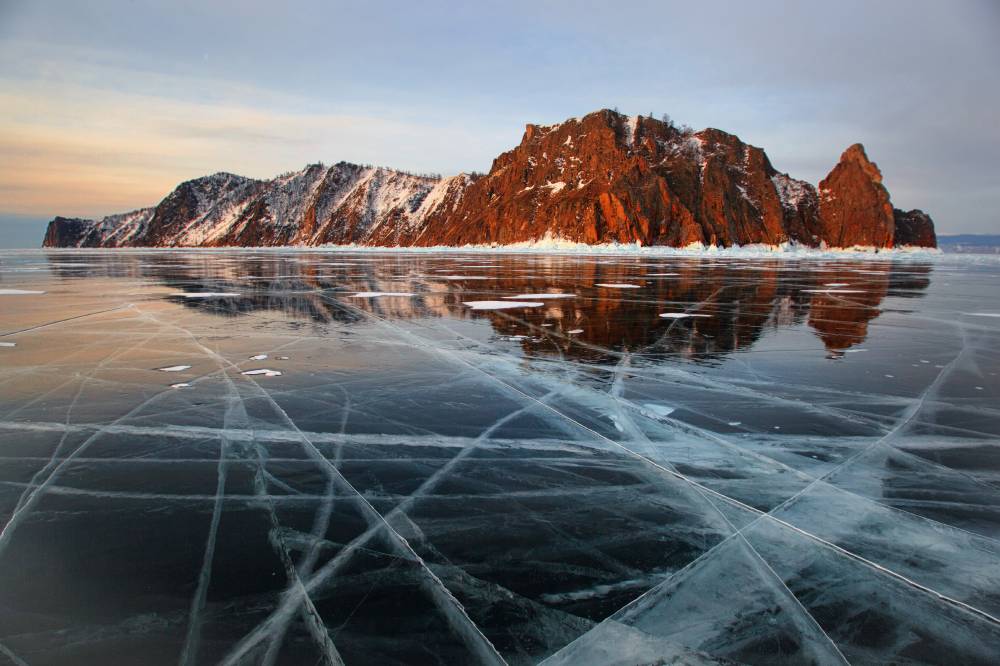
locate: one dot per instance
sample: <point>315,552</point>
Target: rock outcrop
<point>854,206</point>
<point>914,228</point>
<point>602,178</point>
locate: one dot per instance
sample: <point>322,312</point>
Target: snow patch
<point>207,294</point>
<point>680,315</point>
<point>501,305</point>
<point>546,295</point>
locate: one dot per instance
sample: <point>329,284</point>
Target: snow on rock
<point>793,193</point>
<point>554,188</point>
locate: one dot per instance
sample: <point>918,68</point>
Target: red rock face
<point>610,178</point>
<point>854,205</point>
<point>603,178</point>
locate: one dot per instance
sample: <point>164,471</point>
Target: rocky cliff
<point>602,178</point>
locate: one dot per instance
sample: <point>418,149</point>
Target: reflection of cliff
<point>840,313</point>
<point>742,300</point>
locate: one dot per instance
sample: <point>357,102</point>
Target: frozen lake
<point>272,457</point>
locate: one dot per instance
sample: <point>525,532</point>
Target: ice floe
<point>377,294</point>
<point>542,295</point>
<point>266,372</point>
<point>207,294</point>
<point>502,305</point>
<point>681,315</point>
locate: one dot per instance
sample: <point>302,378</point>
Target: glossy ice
<point>326,457</point>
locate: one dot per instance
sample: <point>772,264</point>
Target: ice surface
<point>19,292</point>
<point>490,470</point>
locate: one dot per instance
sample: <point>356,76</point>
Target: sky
<point>106,106</point>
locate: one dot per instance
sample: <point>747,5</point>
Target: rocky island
<point>602,178</point>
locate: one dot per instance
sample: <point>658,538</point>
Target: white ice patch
<point>376,294</point>
<point>575,331</point>
<point>263,371</point>
<point>659,410</point>
<point>833,291</point>
<point>680,315</point>
<point>501,305</point>
<point>258,357</point>
<point>174,368</point>
<point>207,294</point>
<point>618,285</point>
<point>19,292</point>
<point>981,314</point>
<point>547,295</point>
<point>8,344</point>
<point>180,385</point>
<point>466,277</point>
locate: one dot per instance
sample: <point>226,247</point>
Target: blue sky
<point>105,106</point>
